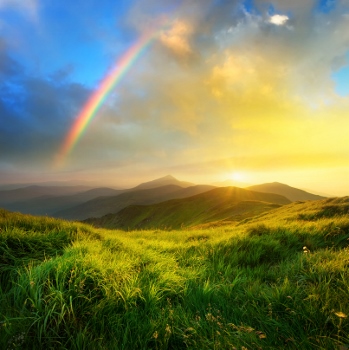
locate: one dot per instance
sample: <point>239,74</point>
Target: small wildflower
<point>168,329</point>
<point>340,314</point>
<point>155,335</point>
<point>210,317</point>
<point>306,250</point>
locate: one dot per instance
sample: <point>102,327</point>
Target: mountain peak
<point>163,181</point>
<point>167,177</point>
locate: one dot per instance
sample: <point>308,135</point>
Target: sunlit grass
<point>68,286</point>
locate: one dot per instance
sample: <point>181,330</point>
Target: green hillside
<point>223,203</point>
<point>277,281</point>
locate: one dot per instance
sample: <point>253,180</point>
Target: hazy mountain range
<point>293,194</point>
<point>103,205</point>
<point>83,202</point>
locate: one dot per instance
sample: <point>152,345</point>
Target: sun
<point>237,176</point>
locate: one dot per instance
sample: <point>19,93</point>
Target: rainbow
<point>98,97</point>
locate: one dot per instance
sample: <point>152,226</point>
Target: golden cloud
<point>176,38</point>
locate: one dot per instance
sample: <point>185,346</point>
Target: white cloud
<point>278,20</point>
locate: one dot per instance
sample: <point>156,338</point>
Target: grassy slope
<point>224,203</point>
<point>251,286</point>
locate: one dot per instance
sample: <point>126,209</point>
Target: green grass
<point>249,286</point>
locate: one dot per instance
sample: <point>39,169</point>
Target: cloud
<point>252,93</point>
<point>278,20</point>
<point>8,66</point>
<point>176,38</point>
<point>299,8</point>
<point>35,114</point>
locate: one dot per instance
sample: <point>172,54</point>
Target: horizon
<point>119,93</point>
<point>224,183</point>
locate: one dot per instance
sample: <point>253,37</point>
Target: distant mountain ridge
<point>222,203</point>
<point>81,202</point>
<point>49,204</point>
<point>60,201</point>
<point>292,193</point>
<point>233,183</point>
<point>162,181</point>
<point>34,191</point>
<point>100,206</point>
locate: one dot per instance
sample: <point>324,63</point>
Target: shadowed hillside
<point>223,203</point>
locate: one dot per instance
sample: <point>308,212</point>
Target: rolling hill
<point>82,202</point>
<point>223,203</point>
<point>104,205</point>
<point>292,193</point>
<point>276,281</point>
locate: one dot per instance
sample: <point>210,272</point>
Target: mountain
<point>233,183</point>
<point>57,200</point>
<point>163,181</point>
<point>34,191</point>
<point>222,203</point>
<point>104,205</point>
<point>49,204</point>
<point>292,193</point>
<point>319,193</point>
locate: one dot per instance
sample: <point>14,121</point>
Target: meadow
<point>275,281</point>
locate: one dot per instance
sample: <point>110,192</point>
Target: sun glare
<point>237,176</point>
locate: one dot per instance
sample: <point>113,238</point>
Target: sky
<point>205,90</point>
